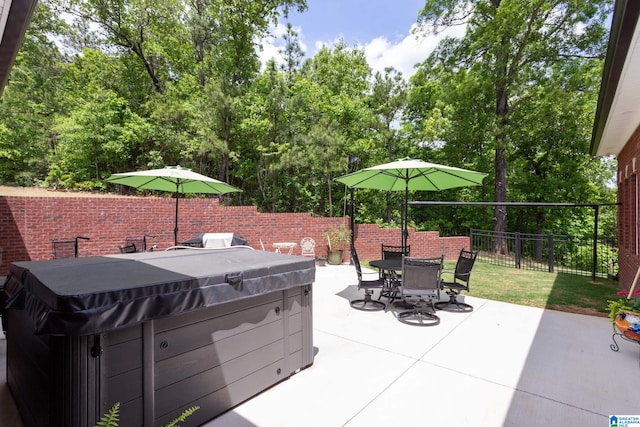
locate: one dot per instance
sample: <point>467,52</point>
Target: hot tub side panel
<point>55,380</point>
<point>122,378</point>
<point>220,357</point>
<point>214,358</point>
<point>28,370</point>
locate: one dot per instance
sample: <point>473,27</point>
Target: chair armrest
<point>369,273</point>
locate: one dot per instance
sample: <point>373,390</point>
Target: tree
<point>292,53</point>
<point>388,98</point>
<point>30,102</point>
<point>99,136</point>
<point>549,161</point>
<point>332,117</point>
<point>149,29</point>
<point>387,101</point>
<point>511,43</point>
<point>225,37</point>
<point>145,84</point>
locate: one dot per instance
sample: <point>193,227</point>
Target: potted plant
<point>338,239</point>
<point>625,316</point>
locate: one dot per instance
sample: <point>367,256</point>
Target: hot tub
<point>157,332</point>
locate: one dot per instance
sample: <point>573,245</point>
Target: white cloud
<point>273,43</point>
<point>405,54</point>
<point>269,51</point>
<point>380,52</point>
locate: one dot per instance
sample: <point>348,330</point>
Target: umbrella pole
<point>353,222</point>
<point>175,230</point>
<point>403,219</point>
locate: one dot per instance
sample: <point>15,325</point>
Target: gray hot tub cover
<point>85,296</point>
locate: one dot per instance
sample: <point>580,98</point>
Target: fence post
<point>594,263</point>
<point>517,242</point>
<point>551,258</point>
<point>471,239</point>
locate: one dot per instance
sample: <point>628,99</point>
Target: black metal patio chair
<point>419,287</point>
<point>129,248</point>
<point>390,289</point>
<point>369,286</point>
<point>395,252</point>
<point>65,248</point>
<point>460,282</point>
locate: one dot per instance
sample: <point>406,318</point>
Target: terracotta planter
<point>628,323</point>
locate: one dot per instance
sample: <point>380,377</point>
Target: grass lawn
<point>557,291</point>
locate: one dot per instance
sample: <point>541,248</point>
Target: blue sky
<point>358,21</point>
<point>381,27</point>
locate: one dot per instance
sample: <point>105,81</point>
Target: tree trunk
<point>500,186</point>
<point>148,66</point>
<point>500,195</point>
<point>223,171</point>
<point>330,194</point>
<point>274,189</point>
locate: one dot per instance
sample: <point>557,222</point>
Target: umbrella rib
<point>397,177</point>
<point>425,174</point>
<point>371,178</point>
<point>151,179</point>
<point>376,175</point>
<point>467,180</point>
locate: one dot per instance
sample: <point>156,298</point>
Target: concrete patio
<point>500,365</point>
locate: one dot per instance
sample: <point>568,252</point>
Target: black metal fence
<point>548,252</point>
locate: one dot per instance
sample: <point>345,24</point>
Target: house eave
<point>617,114</point>
<point>14,20</point>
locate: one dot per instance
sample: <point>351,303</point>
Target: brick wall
<point>628,212</point>
<point>29,223</point>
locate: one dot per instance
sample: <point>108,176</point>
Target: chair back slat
<point>395,252</point>
<point>137,243</point>
<point>421,276</point>
<point>466,259</point>
<point>307,247</point>
<point>128,249</point>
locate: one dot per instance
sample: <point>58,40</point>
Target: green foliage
<point>337,237</point>
<point>614,307</point>
<point>29,103</point>
<point>182,417</point>
<point>521,63</point>
<point>98,136</point>
<point>147,84</point>
<point>112,416</point>
<point>580,257</point>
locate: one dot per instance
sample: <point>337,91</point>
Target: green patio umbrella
<point>174,179</point>
<point>411,175</point>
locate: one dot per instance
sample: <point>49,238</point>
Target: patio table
<point>280,247</point>
<point>393,264</point>
<point>387,269</point>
